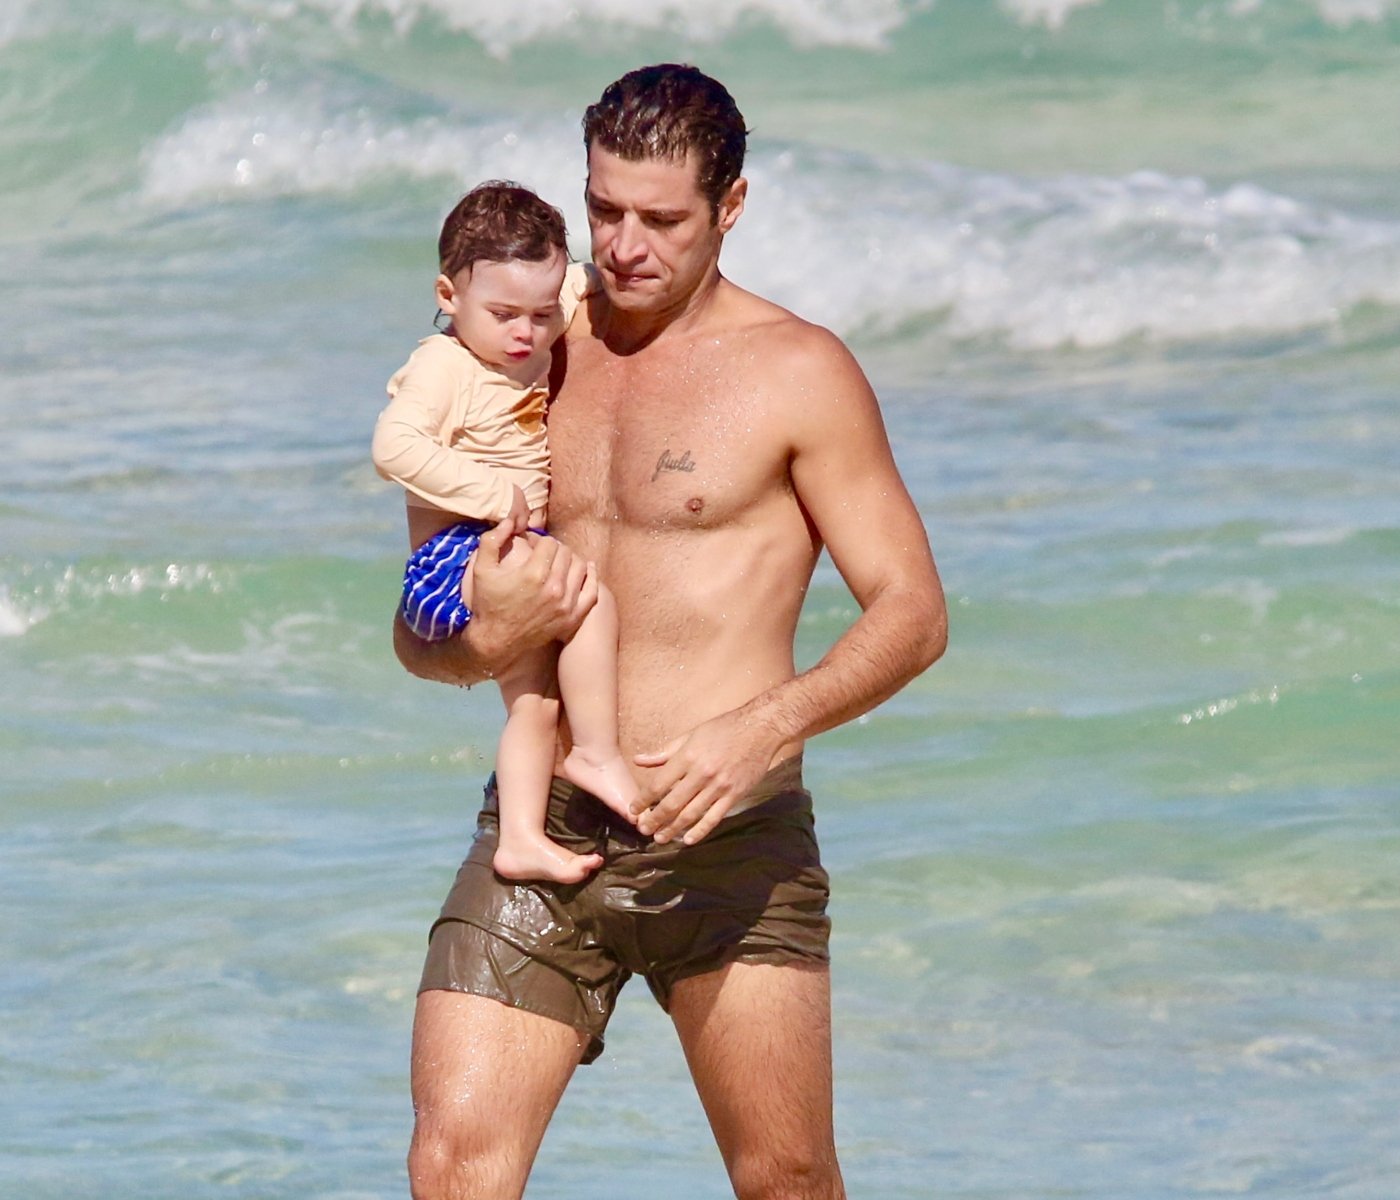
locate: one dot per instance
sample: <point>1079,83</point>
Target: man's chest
<point>659,449</point>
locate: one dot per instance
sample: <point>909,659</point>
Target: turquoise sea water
<point>1115,889</point>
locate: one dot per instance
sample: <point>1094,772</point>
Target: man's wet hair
<point>500,221</point>
<point>666,111</point>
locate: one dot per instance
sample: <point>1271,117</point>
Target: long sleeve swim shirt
<point>457,434</point>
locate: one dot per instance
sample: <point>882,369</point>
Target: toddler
<point>464,434</point>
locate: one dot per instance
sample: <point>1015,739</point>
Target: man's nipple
<point>695,504</point>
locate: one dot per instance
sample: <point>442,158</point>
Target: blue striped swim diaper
<point>432,581</point>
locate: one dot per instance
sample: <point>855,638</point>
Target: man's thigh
<point>486,1080</point>
<point>757,1037</point>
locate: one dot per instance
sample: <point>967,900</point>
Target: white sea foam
<point>856,23</point>
<point>1348,12</point>
<point>1213,709</point>
<point>1050,13</point>
<point>13,620</point>
<point>1074,261</point>
<point>863,246</point>
<point>48,589</point>
<point>1338,13</point>
<point>263,145</point>
<point>501,28</point>
<point>16,16</point>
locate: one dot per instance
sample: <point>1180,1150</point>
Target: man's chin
<point>629,296</point>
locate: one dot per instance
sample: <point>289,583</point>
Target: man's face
<point>506,313</point>
<point>654,235</point>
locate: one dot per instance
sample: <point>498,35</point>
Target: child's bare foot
<point>539,858</point>
<point>609,779</point>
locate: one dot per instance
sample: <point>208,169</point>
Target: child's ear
<point>446,295</point>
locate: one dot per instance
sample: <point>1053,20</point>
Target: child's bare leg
<point>524,769</point>
<point>588,686</point>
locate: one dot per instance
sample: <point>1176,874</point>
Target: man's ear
<point>446,295</point>
<point>731,204</point>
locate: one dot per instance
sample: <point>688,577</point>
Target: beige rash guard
<point>457,434</point>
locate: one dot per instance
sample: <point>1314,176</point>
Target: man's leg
<point>758,1041</point>
<point>486,1080</point>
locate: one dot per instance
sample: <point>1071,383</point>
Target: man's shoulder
<point>787,342</point>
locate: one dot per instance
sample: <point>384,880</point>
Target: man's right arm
<point>519,602</point>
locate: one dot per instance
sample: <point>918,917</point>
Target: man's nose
<point>629,247</point>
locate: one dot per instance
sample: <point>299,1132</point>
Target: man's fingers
<point>658,758</point>
<point>545,553</point>
<point>575,572</point>
<point>692,817</point>
<point>494,541</point>
<point>588,591</point>
<point>673,800</point>
<point>705,825</point>
<point>658,786</point>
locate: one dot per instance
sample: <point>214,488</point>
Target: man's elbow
<point>933,639</point>
<point>421,658</point>
<point>438,662</point>
<point>408,649</point>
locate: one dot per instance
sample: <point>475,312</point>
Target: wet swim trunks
<point>432,581</point>
<point>753,891</point>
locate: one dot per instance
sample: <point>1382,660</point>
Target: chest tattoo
<point>672,462</point>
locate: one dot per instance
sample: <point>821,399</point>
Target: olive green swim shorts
<point>753,891</point>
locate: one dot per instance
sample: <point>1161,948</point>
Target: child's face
<point>506,313</point>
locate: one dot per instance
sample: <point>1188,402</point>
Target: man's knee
<point>787,1173</point>
<point>451,1165</point>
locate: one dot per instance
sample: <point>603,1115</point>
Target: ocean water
<point>1115,892</point>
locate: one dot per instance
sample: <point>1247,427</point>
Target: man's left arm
<point>845,476</point>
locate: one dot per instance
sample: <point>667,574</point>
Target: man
<point>706,444</point>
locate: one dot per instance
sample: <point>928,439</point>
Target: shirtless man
<point>706,444</point>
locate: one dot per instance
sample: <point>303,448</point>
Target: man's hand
<point>527,591</point>
<point>702,775</point>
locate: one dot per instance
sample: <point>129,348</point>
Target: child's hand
<point>539,517</point>
<point>519,511</point>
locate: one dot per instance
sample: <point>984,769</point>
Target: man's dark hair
<point>500,221</point>
<point>668,110</point>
